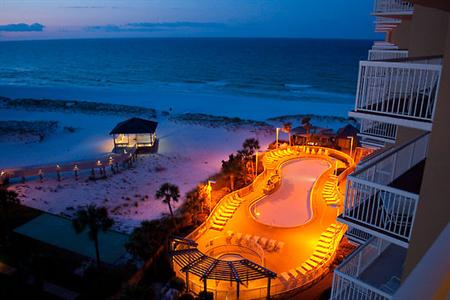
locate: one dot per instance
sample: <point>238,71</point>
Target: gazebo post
<point>205,287</point>
<point>237,289</point>
<point>268,288</point>
<point>187,281</point>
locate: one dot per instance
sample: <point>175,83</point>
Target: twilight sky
<point>43,19</point>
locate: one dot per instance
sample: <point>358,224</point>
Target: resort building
<point>135,132</point>
<point>396,204</point>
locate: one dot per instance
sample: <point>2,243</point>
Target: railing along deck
<point>375,54</point>
<point>371,203</point>
<point>393,7</point>
<point>384,132</point>
<point>346,282</point>
<point>404,88</point>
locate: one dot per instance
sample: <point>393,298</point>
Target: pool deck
<point>300,242</point>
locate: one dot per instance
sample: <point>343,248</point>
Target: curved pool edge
<point>310,206</point>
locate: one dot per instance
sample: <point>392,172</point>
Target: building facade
<point>397,202</point>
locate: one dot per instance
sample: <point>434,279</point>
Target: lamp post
<point>278,131</point>
<point>208,191</point>
<point>351,145</point>
<point>256,163</point>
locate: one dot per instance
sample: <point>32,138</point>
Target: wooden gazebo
<point>135,132</point>
<point>191,260</point>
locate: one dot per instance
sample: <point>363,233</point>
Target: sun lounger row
<point>225,211</point>
<point>331,192</point>
<point>321,255</point>
<point>275,155</point>
<point>266,244</point>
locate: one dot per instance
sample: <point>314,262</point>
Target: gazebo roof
<point>135,125</point>
<point>192,260</point>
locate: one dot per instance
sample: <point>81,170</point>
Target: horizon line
<point>193,37</point>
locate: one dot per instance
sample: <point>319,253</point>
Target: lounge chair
<point>270,245</point>
<point>224,213</point>
<point>262,241</point>
<point>285,278</point>
<point>218,222</point>
<point>247,238</point>
<point>279,246</point>
<point>255,239</point>
<point>238,237</point>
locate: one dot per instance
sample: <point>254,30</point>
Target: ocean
<point>294,70</point>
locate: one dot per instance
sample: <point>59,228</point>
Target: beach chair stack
<point>323,252</point>
<point>331,192</point>
<point>225,211</point>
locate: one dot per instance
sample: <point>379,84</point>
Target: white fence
<point>384,20</point>
<point>405,88</point>
<point>393,7</point>
<point>386,54</point>
<point>347,285</point>
<point>383,131</point>
<point>369,199</point>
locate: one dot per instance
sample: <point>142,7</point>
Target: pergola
<point>192,261</point>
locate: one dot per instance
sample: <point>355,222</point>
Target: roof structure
<point>135,125</point>
<point>193,261</point>
<point>347,130</point>
<point>58,231</point>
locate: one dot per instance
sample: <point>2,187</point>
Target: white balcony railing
<point>382,45</point>
<point>384,20</point>
<point>371,203</point>
<point>384,132</point>
<point>347,284</point>
<point>387,54</point>
<point>357,235</point>
<point>393,7</point>
<point>404,88</point>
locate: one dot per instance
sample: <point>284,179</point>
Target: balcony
<point>383,193</point>
<point>392,8</point>
<point>386,24</point>
<point>371,272</point>
<point>374,133</point>
<point>398,91</point>
<point>381,45</point>
<point>387,54</point>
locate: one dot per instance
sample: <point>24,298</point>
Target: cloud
<point>154,26</point>
<point>21,27</point>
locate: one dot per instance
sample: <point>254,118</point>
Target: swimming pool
<point>289,206</point>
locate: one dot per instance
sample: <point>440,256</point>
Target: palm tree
<point>95,219</point>
<point>306,123</point>
<point>168,192</point>
<point>7,200</point>
<point>249,147</point>
<point>287,128</point>
<point>232,167</point>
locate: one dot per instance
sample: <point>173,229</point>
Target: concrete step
<point>327,234</point>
